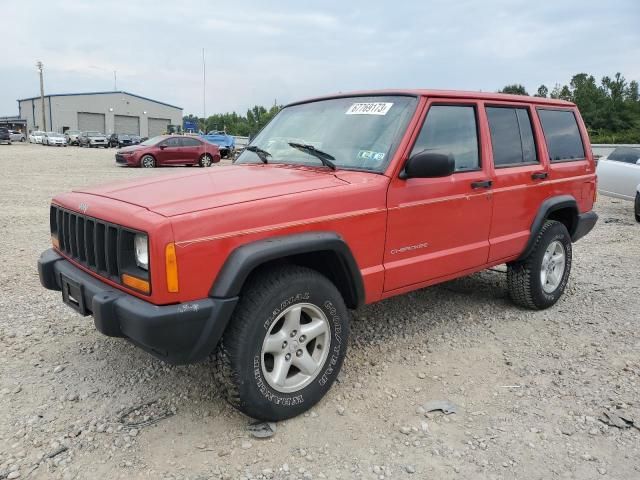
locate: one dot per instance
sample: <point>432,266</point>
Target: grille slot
<point>90,242</point>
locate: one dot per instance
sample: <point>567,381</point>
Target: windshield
<point>153,141</point>
<point>73,132</point>
<point>123,137</point>
<point>55,135</point>
<point>94,134</point>
<point>360,133</point>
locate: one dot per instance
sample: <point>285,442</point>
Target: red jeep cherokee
<point>339,201</point>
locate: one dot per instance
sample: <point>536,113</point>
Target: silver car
<point>16,136</point>
<point>72,136</point>
<point>54,139</point>
<point>93,139</point>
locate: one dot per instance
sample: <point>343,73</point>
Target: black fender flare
<point>244,259</point>
<point>549,206</point>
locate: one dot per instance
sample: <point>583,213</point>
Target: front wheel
<point>285,344</point>
<point>538,281</point>
<point>147,161</point>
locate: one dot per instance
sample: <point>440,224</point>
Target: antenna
<point>204,91</point>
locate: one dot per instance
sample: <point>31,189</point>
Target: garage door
<point>91,122</point>
<point>158,126</point>
<point>126,124</point>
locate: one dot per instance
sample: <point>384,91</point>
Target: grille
<point>89,241</point>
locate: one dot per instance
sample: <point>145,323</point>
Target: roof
<point>491,96</point>
<point>101,93</point>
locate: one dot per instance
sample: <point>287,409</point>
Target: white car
<point>54,139</point>
<point>619,175</point>
<point>36,137</point>
<point>16,136</point>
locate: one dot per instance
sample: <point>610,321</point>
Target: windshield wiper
<point>324,157</point>
<point>262,154</point>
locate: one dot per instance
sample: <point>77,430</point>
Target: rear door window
<point>561,134</point>
<point>190,142</point>
<point>511,136</point>
<point>451,130</point>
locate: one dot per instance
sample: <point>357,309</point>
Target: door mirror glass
<point>428,165</point>
<point>638,162</point>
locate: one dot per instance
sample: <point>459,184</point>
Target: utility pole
<point>204,91</point>
<point>44,118</point>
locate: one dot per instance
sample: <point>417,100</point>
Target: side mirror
<point>428,165</point>
<point>638,162</point>
<point>162,147</point>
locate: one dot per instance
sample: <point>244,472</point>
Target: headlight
<point>141,244</point>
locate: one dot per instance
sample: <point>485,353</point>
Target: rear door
<point>438,227</point>
<point>520,177</point>
<point>190,149</point>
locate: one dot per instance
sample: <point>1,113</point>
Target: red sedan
<point>169,150</point>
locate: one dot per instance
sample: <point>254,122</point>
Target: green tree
<point>515,89</point>
<point>543,91</point>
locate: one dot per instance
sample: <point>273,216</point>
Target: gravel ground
<point>530,386</point>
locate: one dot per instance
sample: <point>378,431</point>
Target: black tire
<point>636,207</point>
<point>147,161</point>
<point>205,160</point>
<point>524,277</point>
<point>239,365</point>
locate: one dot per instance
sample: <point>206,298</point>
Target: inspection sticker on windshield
<point>369,155</point>
<point>379,108</point>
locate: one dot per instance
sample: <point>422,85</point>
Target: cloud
<point>259,52</point>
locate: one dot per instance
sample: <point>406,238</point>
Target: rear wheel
<point>538,281</point>
<point>285,344</point>
<point>147,161</point>
<point>205,160</point>
<point>636,207</point>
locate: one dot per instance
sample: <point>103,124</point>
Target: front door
<point>438,227</point>
<point>170,152</point>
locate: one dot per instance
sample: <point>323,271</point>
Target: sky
<point>258,53</point>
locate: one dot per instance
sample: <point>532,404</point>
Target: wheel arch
<point>561,208</point>
<point>325,252</point>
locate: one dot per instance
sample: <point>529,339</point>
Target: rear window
<point>3,130</point>
<point>561,134</point>
<point>625,154</point>
<point>511,136</point>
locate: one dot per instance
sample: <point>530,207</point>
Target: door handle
<point>481,184</point>
<point>539,175</point>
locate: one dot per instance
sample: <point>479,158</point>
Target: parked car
<point>54,139</point>
<point>226,143</point>
<point>16,136</point>
<point>36,137</point>
<point>93,139</point>
<point>72,136</point>
<point>339,201</point>
<point>136,139</point>
<point>119,140</point>
<point>5,136</point>
<point>169,150</point>
<point>619,176</point>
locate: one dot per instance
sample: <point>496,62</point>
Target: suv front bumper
<point>178,334</point>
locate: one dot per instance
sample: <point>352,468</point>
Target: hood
<point>132,148</point>
<point>177,194</point>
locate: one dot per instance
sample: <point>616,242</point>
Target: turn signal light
<point>171,263</point>
<point>136,283</point>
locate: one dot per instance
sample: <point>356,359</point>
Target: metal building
<point>105,112</point>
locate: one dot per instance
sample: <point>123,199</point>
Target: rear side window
<point>511,136</point>
<point>190,142</point>
<point>561,134</point>
<point>451,130</point>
